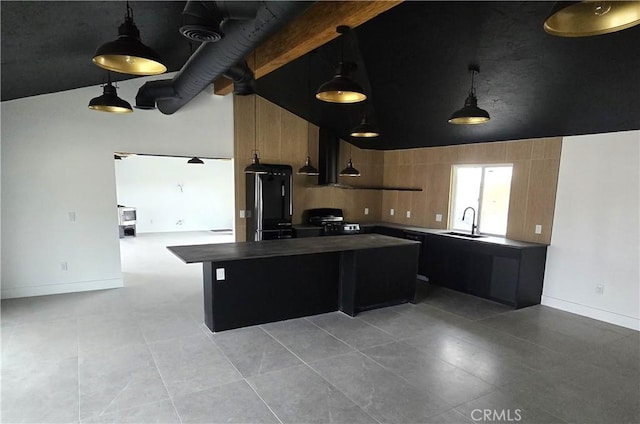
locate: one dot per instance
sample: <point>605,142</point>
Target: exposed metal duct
<point>201,19</point>
<point>242,77</point>
<point>212,60</point>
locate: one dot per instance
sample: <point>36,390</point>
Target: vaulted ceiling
<point>412,61</point>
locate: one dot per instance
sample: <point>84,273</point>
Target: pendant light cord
<point>472,91</point>
<point>255,123</point>
<point>129,15</point>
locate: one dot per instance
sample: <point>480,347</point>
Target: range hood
<point>328,157</point>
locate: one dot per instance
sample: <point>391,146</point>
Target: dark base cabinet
<point>506,274</point>
<point>260,290</point>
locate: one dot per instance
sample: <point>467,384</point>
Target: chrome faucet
<point>474,227</point>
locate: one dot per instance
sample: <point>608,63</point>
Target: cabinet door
<point>477,280</point>
<point>388,231</point>
<point>504,279</point>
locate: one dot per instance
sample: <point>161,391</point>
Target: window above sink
<point>486,188</point>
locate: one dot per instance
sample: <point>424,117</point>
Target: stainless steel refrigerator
<point>269,206</point>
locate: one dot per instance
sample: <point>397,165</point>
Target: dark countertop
<point>285,247</point>
<point>502,241</point>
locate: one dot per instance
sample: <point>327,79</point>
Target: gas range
<point>341,228</point>
<point>331,220</point>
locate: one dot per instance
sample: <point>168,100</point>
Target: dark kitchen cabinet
<point>408,235</point>
<point>506,274</point>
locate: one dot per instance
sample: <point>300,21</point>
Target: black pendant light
<point>308,169</point>
<point>127,54</point>
<point>365,129</point>
<point>349,171</point>
<point>470,112</point>
<point>341,88</point>
<point>196,160</point>
<point>109,101</point>
<point>586,18</point>
<point>117,157</point>
<point>255,167</point>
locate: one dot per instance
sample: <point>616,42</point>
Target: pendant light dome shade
<point>470,113</point>
<point>255,167</point>
<point>127,54</point>
<point>341,88</point>
<point>110,102</point>
<point>586,18</point>
<point>196,160</point>
<point>365,129</point>
<point>308,169</point>
<point>349,171</point>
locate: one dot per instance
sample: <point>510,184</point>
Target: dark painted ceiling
<point>47,46</point>
<point>416,57</point>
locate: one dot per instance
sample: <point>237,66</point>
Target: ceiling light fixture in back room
<point>109,101</point>
<point>341,88</point>
<point>586,18</point>
<point>195,160</point>
<point>127,54</point>
<point>470,112</point>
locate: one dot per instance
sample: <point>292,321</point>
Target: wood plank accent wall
<point>282,138</point>
<point>533,186</point>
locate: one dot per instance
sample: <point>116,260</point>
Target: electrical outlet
<point>438,217</point>
<point>392,212</point>
<point>366,211</point>
<point>220,274</point>
<point>242,213</point>
<point>64,266</point>
<point>538,229</point>
<point>72,216</point>
<point>600,289</point>
<point>408,214</point>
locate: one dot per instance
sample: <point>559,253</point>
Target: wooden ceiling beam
<point>312,29</point>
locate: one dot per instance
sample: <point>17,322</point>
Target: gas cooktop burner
<point>339,228</point>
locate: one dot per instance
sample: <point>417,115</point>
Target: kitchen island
<point>253,283</point>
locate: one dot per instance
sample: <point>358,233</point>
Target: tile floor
<point>141,354</point>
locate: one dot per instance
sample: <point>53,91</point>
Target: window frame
<point>452,196</point>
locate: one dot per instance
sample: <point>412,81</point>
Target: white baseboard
<point>47,289</point>
<point>588,311</point>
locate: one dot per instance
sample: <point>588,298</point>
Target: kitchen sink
<point>468,235</point>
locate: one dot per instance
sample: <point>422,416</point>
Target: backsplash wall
<point>533,184</point>
<point>282,137</point>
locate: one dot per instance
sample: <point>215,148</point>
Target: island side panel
<point>257,291</point>
<point>385,276</point>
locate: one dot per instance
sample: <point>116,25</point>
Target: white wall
<point>57,157</point>
<point>171,195</point>
<point>596,229</point>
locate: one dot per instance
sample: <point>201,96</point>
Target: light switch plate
<point>220,274</point>
<point>538,229</point>
<point>366,211</point>
<point>438,217</point>
<point>392,212</point>
<point>72,216</point>
<point>242,213</point>
<point>408,214</point>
